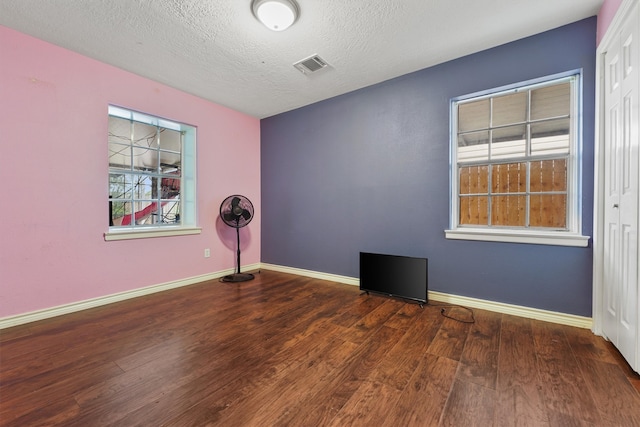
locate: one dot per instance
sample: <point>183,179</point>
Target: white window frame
<point>188,182</point>
<point>572,236</point>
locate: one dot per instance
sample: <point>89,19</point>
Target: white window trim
<point>570,237</point>
<point>128,234</point>
<point>517,236</point>
<point>189,185</point>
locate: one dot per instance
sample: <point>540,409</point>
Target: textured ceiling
<point>217,50</point>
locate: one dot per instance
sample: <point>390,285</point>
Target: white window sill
<point>558,238</point>
<point>128,234</point>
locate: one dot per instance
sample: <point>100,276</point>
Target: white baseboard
<point>515,310</point>
<point>498,307</point>
<point>313,274</point>
<point>7,322</point>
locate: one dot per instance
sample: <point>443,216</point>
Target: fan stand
<point>237,276</point>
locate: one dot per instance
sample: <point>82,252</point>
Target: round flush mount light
<point>277,15</point>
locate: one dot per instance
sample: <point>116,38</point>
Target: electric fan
<point>237,211</point>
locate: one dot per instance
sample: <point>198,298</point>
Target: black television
<point>397,276</point>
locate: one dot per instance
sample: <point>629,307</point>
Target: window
<point>515,164</point>
<point>151,176</point>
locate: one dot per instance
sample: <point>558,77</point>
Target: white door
<point>621,192</point>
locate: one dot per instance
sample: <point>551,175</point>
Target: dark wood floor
<point>288,350</point>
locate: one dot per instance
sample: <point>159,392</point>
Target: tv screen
<point>393,275</point>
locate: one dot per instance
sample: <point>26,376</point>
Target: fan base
<point>238,277</point>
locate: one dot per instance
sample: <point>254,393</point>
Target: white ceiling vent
<point>311,64</point>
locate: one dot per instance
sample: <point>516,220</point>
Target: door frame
<point>598,167</point>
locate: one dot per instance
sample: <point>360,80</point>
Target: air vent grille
<point>311,64</point>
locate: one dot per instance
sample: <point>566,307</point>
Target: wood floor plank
<point>469,404</point>
<point>584,344</point>
<point>423,400</point>
<point>72,379</point>
<point>517,362</point>
<point>330,394</point>
<point>38,375</point>
<point>519,399</point>
<point>307,349</point>
<point>369,323</point>
<point>399,364</point>
<point>405,316</point>
<point>561,419</point>
<point>479,359</point>
<point>632,377</point>
<point>26,350</point>
<point>19,331</point>
<point>292,388</point>
<point>60,412</point>
<point>564,389</point>
<point>63,344</point>
<point>520,405</point>
<point>288,350</point>
<point>281,381</point>
<point>618,401</point>
<point>352,313</point>
<point>207,396</point>
<point>272,384</point>
<point>273,368</point>
<point>371,402</point>
<point>450,339</point>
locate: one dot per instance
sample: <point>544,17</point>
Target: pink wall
<point>605,16</point>
<point>53,169</point>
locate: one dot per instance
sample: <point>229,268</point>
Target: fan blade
<point>246,214</point>
<point>235,202</point>
<point>228,216</point>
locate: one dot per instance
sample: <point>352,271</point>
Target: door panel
<point>620,269</point>
<point>612,197</point>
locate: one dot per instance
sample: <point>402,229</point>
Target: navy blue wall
<point>369,171</point>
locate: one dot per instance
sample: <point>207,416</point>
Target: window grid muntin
<point>528,158</point>
<point>154,173</point>
<point>527,193</point>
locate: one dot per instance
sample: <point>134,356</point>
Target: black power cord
<point>443,312</point>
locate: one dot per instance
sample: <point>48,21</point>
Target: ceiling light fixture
<point>276,15</point>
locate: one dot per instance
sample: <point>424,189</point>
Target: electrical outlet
<point>207,253</point>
